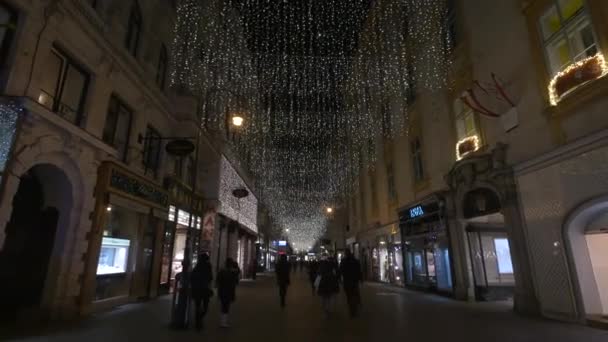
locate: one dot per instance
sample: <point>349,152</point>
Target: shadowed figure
<point>283,280</point>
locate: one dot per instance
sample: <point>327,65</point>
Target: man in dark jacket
<point>201,278</point>
<point>282,270</point>
<point>227,280</point>
<point>350,270</point>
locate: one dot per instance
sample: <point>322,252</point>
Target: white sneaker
<point>224,321</point>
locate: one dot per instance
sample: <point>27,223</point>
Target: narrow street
<point>389,314</point>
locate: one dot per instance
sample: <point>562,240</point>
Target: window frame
<point>7,42</point>
<point>417,160</point>
<point>148,140</point>
<point>68,62</point>
<point>120,104</point>
<point>134,26</point>
<point>565,27</point>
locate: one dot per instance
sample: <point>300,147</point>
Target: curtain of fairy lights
<point>315,80</point>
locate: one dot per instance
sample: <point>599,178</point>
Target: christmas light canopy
<point>318,79</point>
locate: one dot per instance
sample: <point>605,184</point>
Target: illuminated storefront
<point>124,255</point>
<point>426,248</point>
<point>181,220</point>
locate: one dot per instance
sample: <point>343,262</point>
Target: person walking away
<point>200,281</point>
<point>329,283</point>
<point>283,272</point>
<point>227,279</point>
<point>313,271</point>
<point>350,270</point>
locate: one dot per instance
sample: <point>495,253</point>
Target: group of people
<point>200,286</point>
<point>325,277</point>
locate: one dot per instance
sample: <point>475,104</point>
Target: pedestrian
<point>283,280</point>
<point>313,271</point>
<point>328,283</point>
<point>227,279</point>
<point>200,281</point>
<point>350,270</point>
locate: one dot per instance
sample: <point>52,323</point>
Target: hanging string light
<point>317,81</point>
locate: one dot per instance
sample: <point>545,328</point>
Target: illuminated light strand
<point>476,145</point>
<point>308,114</point>
<point>553,97</point>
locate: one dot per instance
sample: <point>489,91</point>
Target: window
<point>567,34</point>
<point>8,25</point>
<point>64,87</point>
<point>117,129</point>
<point>467,134</point>
<point>152,148</point>
<point>416,150</point>
<point>161,71</point>
<point>133,30</point>
<point>178,167</point>
<point>190,171</point>
<point>390,178</point>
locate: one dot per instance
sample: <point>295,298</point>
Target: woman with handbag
<point>200,281</point>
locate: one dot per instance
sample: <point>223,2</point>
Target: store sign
<point>134,187</point>
<point>420,211</point>
<point>282,243</point>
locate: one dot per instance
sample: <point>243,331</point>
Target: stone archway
<point>42,204</point>
<point>580,230</point>
<point>80,168</point>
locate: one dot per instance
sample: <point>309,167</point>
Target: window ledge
<point>578,97</point>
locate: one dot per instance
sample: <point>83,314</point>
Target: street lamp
<point>237,120</point>
<point>329,210</point>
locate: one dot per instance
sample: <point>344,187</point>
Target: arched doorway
<point>42,203</point>
<point>489,246</point>
<point>586,232</point>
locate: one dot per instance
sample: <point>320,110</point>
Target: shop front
<point>185,217</point>
<point>124,254</point>
<point>395,260</point>
<point>426,246</point>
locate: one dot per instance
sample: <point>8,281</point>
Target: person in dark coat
<point>227,280</point>
<point>200,281</point>
<point>350,270</point>
<point>313,270</point>
<point>282,270</point>
<point>329,284</point>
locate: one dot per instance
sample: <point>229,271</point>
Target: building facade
<point>499,179</point>
<point>94,212</point>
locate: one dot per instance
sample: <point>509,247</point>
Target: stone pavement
<point>388,314</point>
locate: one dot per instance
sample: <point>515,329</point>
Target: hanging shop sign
<point>180,147</point>
<point>124,183</point>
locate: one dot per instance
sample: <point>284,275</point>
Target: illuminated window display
<point>113,256</point>
<point>116,252</point>
<point>490,255</point>
<point>426,248</point>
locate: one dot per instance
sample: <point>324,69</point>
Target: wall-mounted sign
<point>282,243</point>
<point>122,182</point>
<point>419,211</point>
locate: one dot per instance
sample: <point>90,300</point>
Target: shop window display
<point>115,252</point>
<point>113,256</point>
<point>492,266</point>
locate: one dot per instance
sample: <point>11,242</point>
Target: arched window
<point>133,29</point>
<point>161,70</point>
